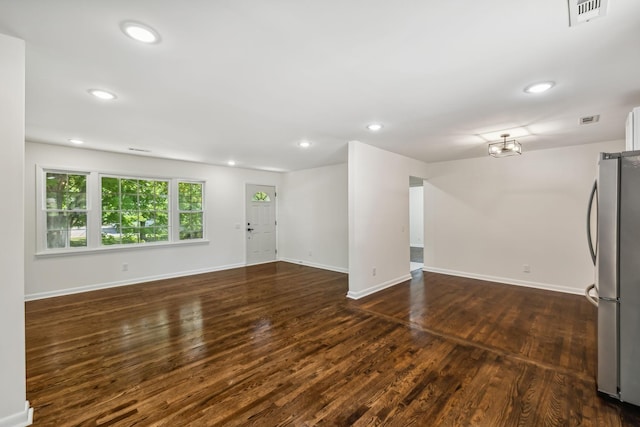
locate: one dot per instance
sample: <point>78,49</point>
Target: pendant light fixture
<point>505,148</point>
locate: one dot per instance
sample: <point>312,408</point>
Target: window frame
<point>180,211</point>
<point>44,209</point>
<point>122,209</point>
<point>94,212</point>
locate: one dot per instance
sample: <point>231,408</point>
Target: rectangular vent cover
<point>589,119</point>
<point>581,11</point>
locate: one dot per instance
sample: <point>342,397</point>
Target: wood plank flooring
<point>279,344</point>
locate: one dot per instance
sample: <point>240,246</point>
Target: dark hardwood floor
<point>280,344</point>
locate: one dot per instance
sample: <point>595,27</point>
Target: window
<point>261,196</point>
<point>134,211</point>
<point>126,211</point>
<point>66,210</point>
<point>190,210</point>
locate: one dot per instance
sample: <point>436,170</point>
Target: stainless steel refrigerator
<point>616,255</point>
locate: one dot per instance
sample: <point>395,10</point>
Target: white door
<point>261,223</point>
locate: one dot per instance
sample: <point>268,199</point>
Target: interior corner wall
<point>313,218</point>
<point>378,217</point>
<point>13,409</point>
<point>487,218</point>
<point>224,219</point>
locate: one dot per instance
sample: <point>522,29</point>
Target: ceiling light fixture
<point>374,127</point>
<point>102,94</point>
<point>231,163</point>
<point>140,32</point>
<point>505,148</point>
<point>304,144</point>
<point>539,87</point>
<point>76,141</point>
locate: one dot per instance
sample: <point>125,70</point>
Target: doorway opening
<point>416,223</point>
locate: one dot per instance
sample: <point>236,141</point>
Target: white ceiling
<point>248,79</point>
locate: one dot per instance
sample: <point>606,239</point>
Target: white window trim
<point>94,214</point>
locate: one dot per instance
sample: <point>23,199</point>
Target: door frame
<point>422,218</point>
<point>244,226</point>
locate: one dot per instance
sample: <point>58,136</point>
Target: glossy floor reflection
<point>279,344</point>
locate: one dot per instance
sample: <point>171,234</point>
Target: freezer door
<point>607,232</point>
<point>608,347</point>
<point>630,279</point>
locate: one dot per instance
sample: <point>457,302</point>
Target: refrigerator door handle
<point>593,196</point>
<point>587,293</point>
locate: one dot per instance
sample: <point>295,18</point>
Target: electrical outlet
<point>310,253</point>
<point>526,268</point>
<point>373,272</point>
<point>125,267</point>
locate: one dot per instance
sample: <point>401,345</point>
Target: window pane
<point>261,196</point>
<point>191,226</point>
<point>129,219</point>
<point>110,236</point>
<point>129,186</point>
<point>78,237</point>
<point>133,209</point>
<point>110,202</point>
<point>162,188</point>
<point>190,196</point>
<point>66,229</point>
<point>129,201</point>
<point>162,203</point>
<point>77,191</point>
<point>110,186</point>
<point>65,206</point>
<point>130,235</point>
<point>190,207</point>
<point>56,239</point>
<point>161,219</point>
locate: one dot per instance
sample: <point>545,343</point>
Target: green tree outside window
<point>190,210</point>
<point>261,196</point>
<point>66,209</point>
<point>134,211</point>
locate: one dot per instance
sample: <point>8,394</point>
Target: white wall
<point>378,217</point>
<point>487,217</point>
<point>13,409</point>
<point>416,216</point>
<point>225,204</point>
<point>313,220</point>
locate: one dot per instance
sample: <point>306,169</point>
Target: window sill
<point>117,248</point>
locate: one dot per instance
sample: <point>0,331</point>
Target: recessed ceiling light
<point>231,163</point>
<point>102,94</point>
<point>374,127</point>
<point>76,141</point>
<point>140,32</point>
<point>304,144</point>
<point>539,87</point>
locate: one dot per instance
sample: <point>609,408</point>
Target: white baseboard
<point>21,419</point>
<point>378,287</point>
<point>315,265</point>
<point>260,263</point>
<point>416,245</point>
<point>97,286</point>
<point>506,280</point>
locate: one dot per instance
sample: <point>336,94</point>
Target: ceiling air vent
<point>581,11</point>
<point>589,119</point>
